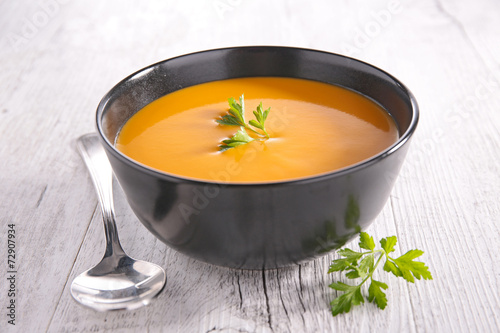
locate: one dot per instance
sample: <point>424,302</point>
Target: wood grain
<point>58,58</point>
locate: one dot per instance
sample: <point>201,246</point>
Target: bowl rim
<point>402,140</point>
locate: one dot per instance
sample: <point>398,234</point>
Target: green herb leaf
<point>391,268</point>
<point>366,265</point>
<point>389,243</point>
<point>362,269</point>
<point>240,138</point>
<point>261,117</point>
<point>354,273</point>
<point>410,268</point>
<point>340,286</point>
<point>339,265</point>
<point>350,254</point>
<point>236,117</point>
<point>366,241</point>
<point>237,110</point>
<point>363,265</point>
<point>375,293</point>
<point>228,120</point>
<point>344,302</point>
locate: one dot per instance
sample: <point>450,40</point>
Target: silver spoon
<point>118,281</point>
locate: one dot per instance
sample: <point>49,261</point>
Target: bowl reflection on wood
<point>258,225</point>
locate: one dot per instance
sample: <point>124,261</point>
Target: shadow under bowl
<point>258,225</point>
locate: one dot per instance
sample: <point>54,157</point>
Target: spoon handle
<point>95,158</point>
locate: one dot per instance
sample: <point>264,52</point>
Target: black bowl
<point>262,225</point>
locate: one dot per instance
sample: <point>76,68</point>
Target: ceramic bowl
<point>261,225</point>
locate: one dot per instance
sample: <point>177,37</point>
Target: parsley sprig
<point>236,117</point>
<point>363,265</point>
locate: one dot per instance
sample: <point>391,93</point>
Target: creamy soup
<point>314,128</point>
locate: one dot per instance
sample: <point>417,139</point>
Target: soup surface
<point>314,128</point>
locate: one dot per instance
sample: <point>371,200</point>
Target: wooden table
<point>58,58</point>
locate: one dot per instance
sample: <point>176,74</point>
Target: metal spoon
<point>118,281</point>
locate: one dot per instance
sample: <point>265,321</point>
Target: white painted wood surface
<point>58,58</point>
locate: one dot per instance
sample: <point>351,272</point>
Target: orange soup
<point>314,128</point>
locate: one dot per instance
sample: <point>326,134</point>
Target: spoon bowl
<point>117,281</point>
<point>124,284</point>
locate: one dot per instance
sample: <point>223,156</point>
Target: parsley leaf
<point>410,268</point>
<point>350,255</point>
<point>389,243</point>
<point>239,138</point>
<point>261,117</point>
<point>366,265</point>
<point>363,265</point>
<point>339,265</point>
<point>375,293</point>
<point>390,267</point>
<point>345,301</point>
<point>236,117</point>
<point>366,241</point>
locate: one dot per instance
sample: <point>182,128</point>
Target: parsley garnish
<point>362,265</point>
<point>236,117</point>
